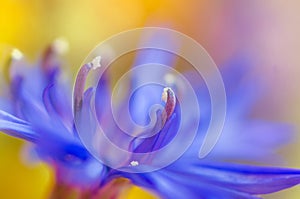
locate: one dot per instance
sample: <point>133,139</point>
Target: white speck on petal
<point>134,163</point>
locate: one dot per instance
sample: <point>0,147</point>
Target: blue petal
<point>58,104</point>
<point>96,142</point>
<point>142,100</point>
<point>161,139</point>
<point>147,62</point>
<point>74,164</point>
<point>215,180</point>
<point>155,55</point>
<point>241,132</point>
<point>166,184</point>
<point>249,179</point>
<point>251,140</point>
<point>103,99</point>
<point>16,127</point>
<point>243,89</point>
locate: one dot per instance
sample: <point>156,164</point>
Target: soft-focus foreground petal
<point>216,181</point>
<point>244,137</point>
<point>16,127</point>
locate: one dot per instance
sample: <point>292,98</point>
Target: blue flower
<point>37,107</point>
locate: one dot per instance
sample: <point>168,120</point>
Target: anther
<point>53,51</point>
<point>96,63</point>
<point>168,96</point>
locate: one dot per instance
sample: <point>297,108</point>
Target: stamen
<point>57,47</point>
<point>168,96</point>
<point>15,55</point>
<point>81,79</point>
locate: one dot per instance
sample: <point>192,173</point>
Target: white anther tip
<point>61,45</point>
<point>96,63</point>
<point>16,54</point>
<point>164,96</point>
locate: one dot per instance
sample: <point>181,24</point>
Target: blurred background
<point>268,31</point>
